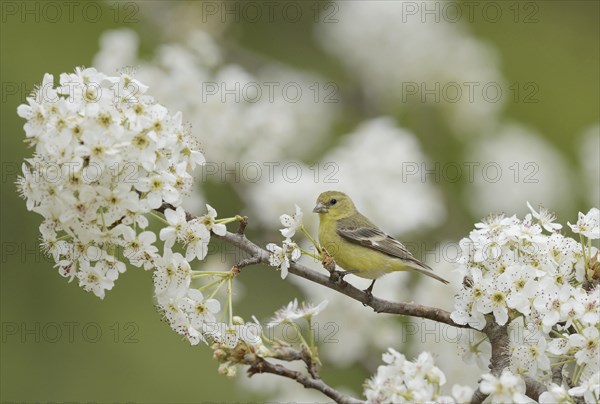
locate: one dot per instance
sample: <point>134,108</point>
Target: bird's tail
<point>425,269</point>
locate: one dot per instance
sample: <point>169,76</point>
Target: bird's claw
<point>336,277</point>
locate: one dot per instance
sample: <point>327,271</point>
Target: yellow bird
<point>357,245</point>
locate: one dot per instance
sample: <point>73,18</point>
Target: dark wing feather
<point>374,238</point>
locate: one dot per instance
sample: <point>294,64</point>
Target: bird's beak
<point>320,208</point>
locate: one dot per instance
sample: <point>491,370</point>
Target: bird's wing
<point>371,237</point>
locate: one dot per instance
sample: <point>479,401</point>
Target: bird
<point>359,246</point>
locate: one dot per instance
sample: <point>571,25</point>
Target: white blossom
<point>293,312</point>
<point>588,389</point>
<point>588,224</point>
<point>209,221</point>
<point>282,257</point>
<point>546,218</point>
<point>507,388</point>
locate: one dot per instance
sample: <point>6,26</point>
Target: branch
<point>261,365</point>
<point>260,255</point>
<point>498,336</point>
<point>312,380</point>
<point>533,388</point>
<point>379,305</point>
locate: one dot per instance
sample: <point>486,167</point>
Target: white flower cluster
<point>105,155</point>
<point>544,285</point>
<point>401,381</point>
<point>518,163</point>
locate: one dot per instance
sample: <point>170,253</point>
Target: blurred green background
<point>137,358</point>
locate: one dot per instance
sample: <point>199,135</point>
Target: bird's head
<point>334,204</point>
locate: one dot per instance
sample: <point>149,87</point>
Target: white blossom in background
<point>176,20</point>
<point>542,284</point>
<point>377,154</point>
<point>118,50</point>
<point>514,165</point>
<point>394,51</point>
<point>237,117</point>
<point>590,165</point>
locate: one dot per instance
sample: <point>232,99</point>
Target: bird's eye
<point>333,201</point>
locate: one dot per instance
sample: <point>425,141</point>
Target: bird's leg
<point>369,290</point>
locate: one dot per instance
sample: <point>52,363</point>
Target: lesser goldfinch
<point>357,245</point>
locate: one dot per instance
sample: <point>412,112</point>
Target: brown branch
<point>261,365</point>
<point>379,305</point>
<point>246,262</point>
<point>498,336</point>
<point>260,255</point>
<point>533,388</point>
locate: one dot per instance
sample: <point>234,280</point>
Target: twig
<point>261,365</point>
<point>246,262</point>
<point>243,223</point>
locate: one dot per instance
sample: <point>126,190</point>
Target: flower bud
<point>219,355</point>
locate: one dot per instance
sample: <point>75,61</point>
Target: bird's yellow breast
<point>361,260</point>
